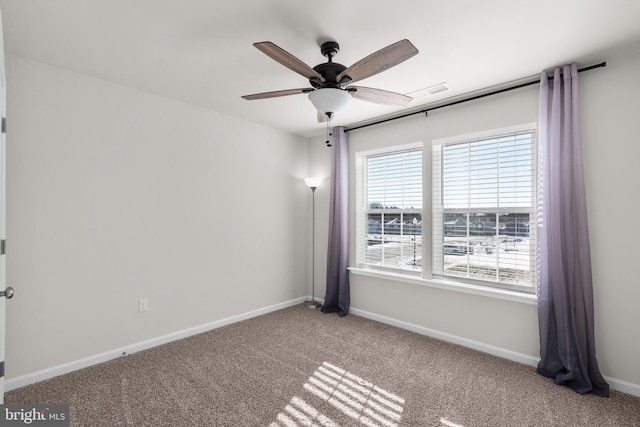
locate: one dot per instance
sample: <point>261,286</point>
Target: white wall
<point>610,119</point>
<point>116,195</point>
<point>610,129</point>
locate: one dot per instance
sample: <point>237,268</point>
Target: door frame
<point>3,199</point>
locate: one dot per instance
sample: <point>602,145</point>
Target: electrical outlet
<point>143,305</point>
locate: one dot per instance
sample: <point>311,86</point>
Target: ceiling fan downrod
<point>329,49</point>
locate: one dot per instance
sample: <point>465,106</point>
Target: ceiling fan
<point>331,82</point>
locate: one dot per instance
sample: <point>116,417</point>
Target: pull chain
<point>328,141</point>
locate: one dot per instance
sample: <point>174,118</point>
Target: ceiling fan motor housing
<point>329,70</point>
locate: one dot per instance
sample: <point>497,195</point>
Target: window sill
<point>505,294</point>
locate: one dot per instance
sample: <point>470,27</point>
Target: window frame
<point>438,211</point>
<point>363,209</point>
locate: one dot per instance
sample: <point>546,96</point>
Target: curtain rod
<point>473,98</point>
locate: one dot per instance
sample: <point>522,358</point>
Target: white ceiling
<point>200,51</point>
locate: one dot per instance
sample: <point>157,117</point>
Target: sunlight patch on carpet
<point>350,395</point>
<point>446,422</point>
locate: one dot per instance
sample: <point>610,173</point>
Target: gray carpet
<point>298,367</point>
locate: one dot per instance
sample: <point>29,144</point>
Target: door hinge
<point>3,247</point>
<point>4,125</point>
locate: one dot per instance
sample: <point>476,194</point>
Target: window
<point>484,208</point>
<point>389,209</point>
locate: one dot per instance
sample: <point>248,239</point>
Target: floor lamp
<point>313,183</point>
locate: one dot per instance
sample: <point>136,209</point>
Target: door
<point>3,151</point>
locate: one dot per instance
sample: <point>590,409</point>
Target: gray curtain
<point>337,295</point>
<point>565,292</point>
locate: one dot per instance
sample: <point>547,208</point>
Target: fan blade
<point>379,96</point>
<point>379,61</point>
<point>285,58</point>
<point>277,93</point>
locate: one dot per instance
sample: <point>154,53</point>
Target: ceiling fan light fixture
<point>329,100</point>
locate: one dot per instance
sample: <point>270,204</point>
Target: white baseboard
<point>454,339</point>
<point>623,386</point>
<point>45,374</point>
<point>614,383</point>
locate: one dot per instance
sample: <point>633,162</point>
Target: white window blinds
<point>484,207</point>
<point>389,209</point>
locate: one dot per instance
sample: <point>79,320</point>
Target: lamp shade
<point>312,182</point>
<point>329,100</point>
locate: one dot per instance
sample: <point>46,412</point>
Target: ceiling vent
<point>431,90</point>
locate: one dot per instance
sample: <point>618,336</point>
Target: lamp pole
<point>313,183</point>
